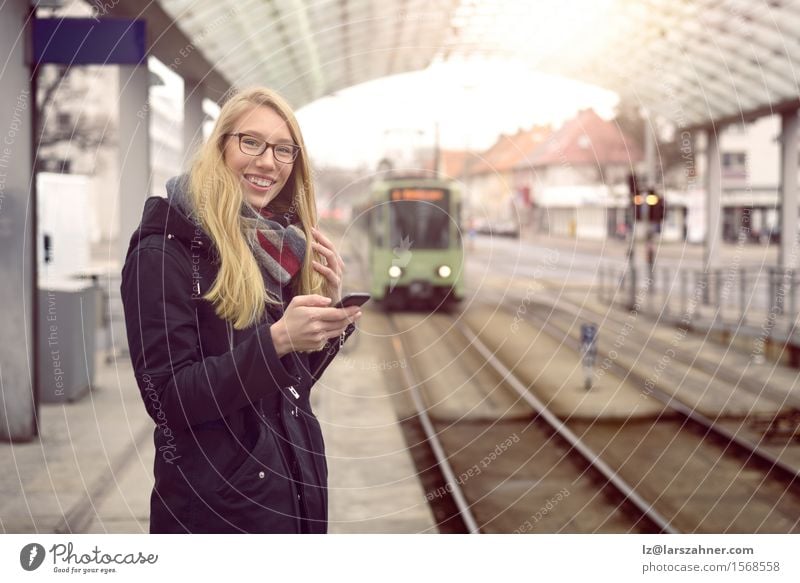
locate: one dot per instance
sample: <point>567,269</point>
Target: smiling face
<point>262,177</point>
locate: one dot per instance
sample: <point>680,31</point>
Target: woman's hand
<point>308,323</point>
<point>333,271</point>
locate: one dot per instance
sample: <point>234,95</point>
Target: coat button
<point>261,475</point>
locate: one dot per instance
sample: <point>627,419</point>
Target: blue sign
<point>89,41</point>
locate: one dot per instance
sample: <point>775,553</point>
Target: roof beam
<point>167,42</point>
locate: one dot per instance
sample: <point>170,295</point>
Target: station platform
<point>91,469</point>
<point>372,481</point>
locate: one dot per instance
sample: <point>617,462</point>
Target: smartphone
<point>354,299</point>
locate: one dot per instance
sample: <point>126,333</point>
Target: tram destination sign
<point>429,194</point>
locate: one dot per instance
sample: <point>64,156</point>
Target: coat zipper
<point>289,470</point>
<point>294,468</point>
<point>322,485</point>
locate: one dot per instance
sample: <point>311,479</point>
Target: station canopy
<point>693,62</point>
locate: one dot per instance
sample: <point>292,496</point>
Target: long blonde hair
<point>238,293</point>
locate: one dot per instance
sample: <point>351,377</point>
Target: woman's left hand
<point>334,269</point>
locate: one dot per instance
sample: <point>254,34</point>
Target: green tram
<point>416,254</point>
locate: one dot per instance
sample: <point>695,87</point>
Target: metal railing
<point>758,300</point>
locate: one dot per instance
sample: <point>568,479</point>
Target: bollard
<point>588,353</point>
<point>601,288</point>
<point>684,285</point>
<point>791,321</point>
<point>770,290</point>
<point>742,294</point>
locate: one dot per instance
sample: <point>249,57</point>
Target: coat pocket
<point>259,495</point>
<point>254,467</point>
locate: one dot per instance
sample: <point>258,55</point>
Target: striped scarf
<point>278,244</point>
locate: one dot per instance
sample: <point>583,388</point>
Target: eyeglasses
<point>253,146</point>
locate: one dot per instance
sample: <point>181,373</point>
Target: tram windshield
<point>420,218</point>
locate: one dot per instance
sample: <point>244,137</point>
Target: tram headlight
<point>444,271</point>
<point>395,271</point>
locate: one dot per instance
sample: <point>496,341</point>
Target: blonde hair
<point>238,293</point>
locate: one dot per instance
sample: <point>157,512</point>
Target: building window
<point>734,165</point>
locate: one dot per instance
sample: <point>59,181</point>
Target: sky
<point>472,102</point>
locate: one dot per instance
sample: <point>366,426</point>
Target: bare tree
<point>668,151</point>
<point>57,94</point>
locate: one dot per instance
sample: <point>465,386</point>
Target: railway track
<point>560,320</point>
<point>655,475</point>
<point>507,473</point>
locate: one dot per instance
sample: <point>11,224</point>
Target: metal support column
<point>651,177</point>
<point>193,117</point>
<point>18,290</point>
<point>713,180</point>
<point>787,252</point>
<point>134,175</point>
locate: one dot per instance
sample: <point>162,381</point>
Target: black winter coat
<point>238,448</point>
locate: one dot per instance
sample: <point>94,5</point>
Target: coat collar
<point>160,217</point>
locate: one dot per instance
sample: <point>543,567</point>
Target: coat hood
<point>171,216</point>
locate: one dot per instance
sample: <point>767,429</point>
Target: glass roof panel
<point>703,58</point>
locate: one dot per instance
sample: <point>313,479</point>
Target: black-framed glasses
<point>253,146</point>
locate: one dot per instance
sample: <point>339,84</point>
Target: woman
<point>229,322</point>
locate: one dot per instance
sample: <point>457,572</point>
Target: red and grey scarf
<point>281,244</point>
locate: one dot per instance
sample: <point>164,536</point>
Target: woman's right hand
<point>308,323</point>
